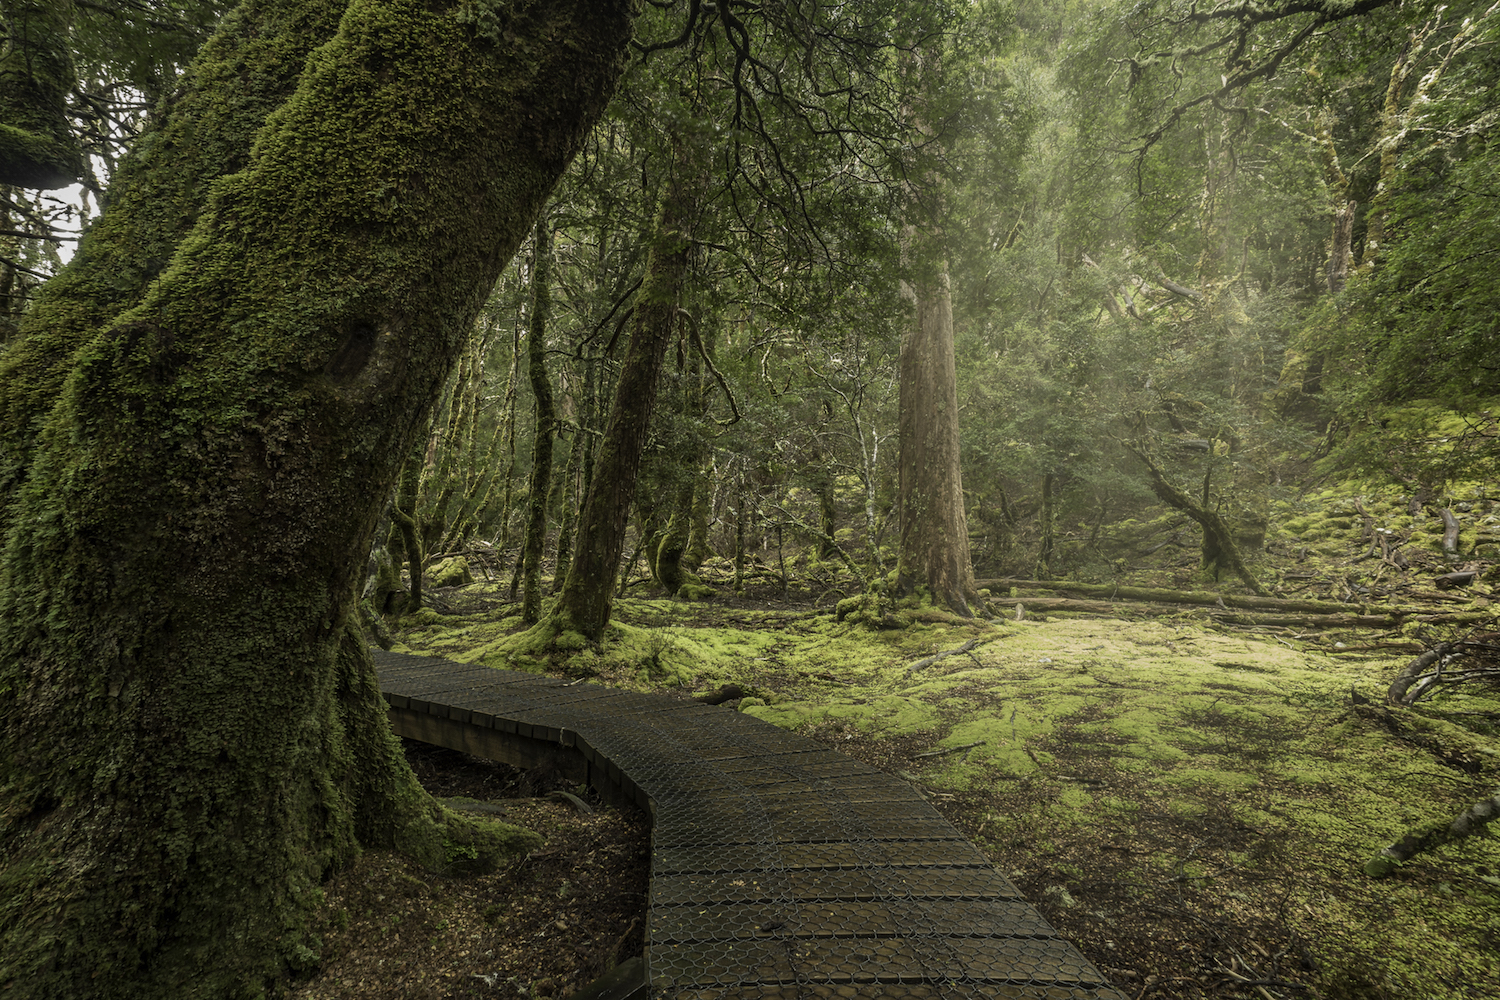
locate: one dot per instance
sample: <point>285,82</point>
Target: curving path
<point>779,868</point>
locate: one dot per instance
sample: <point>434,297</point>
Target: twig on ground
<point>948,750</point>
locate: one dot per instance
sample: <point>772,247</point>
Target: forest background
<point>1222,286</point>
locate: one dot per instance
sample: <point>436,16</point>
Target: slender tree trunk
<point>698,550</point>
<point>191,735</point>
<point>587,595</point>
<point>1389,151</point>
<point>546,422</point>
<point>404,520</point>
<point>1343,247</point>
<point>741,499</point>
<point>1044,553</point>
<point>580,461</point>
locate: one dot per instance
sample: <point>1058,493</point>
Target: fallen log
<point>1159,594</point>
<point>948,750</point>
<point>1469,822</point>
<point>1426,671</point>
<point>1121,609</point>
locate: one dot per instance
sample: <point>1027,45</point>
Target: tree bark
<point>934,548</point>
<point>540,483</point>
<point>587,595</point>
<point>580,462</point>
<point>190,732</point>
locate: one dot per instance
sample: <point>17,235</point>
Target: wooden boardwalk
<point>779,868</point>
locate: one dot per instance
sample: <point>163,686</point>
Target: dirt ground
<point>544,926</point>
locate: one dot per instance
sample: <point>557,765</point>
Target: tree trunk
<point>580,462</point>
<point>934,532</point>
<point>37,146</point>
<point>546,419</point>
<point>1219,545</point>
<point>192,736</point>
<point>1044,553</point>
<point>1343,247</point>
<point>405,524</point>
<point>1389,150</point>
<point>586,598</point>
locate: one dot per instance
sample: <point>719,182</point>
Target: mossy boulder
<point>451,572</point>
<point>694,589</point>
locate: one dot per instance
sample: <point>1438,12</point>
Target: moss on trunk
<point>37,146</point>
<point>540,480</point>
<point>587,595</point>
<point>191,736</point>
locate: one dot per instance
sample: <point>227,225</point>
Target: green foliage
<point>1408,352</point>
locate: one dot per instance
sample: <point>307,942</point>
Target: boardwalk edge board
<point>779,868</point>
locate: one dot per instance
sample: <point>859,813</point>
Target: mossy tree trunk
<point>673,474</point>
<point>540,482</point>
<point>199,429</point>
<point>1219,548</point>
<point>37,146</point>
<point>587,594</point>
<point>933,549</point>
<point>580,462</point>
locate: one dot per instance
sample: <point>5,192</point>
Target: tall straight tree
<point>545,428</point>
<point>934,539</point>
<point>196,445</point>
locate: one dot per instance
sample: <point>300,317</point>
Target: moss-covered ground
<point>1191,802</point>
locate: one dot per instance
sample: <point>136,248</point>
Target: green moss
<point>451,572</point>
<point>476,845</point>
<point>1086,726</point>
<point>693,589</point>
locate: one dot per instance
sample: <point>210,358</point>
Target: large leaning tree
<point>197,429</point>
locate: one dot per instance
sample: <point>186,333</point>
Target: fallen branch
<point>929,661</point>
<point>1400,691</point>
<point>1469,822</point>
<point>948,750</point>
<point>1426,671</point>
<point>1160,594</point>
<point>1116,609</point>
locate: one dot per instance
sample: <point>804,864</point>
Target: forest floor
<point>1189,799</point>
